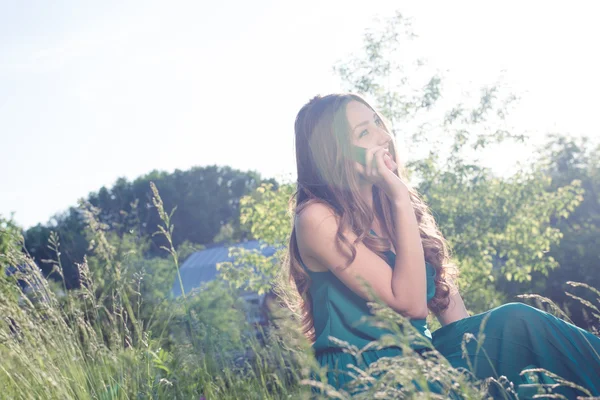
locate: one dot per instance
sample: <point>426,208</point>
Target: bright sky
<point>93,91</point>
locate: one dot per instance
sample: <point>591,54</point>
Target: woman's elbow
<point>419,314</point>
<point>414,311</point>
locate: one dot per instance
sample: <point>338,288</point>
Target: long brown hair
<point>326,174</point>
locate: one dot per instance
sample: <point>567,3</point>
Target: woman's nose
<point>385,138</point>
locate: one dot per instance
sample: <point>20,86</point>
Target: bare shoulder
<point>316,229</point>
<point>314,215</point>
<point>359,268</point>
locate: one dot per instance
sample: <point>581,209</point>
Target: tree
<point>498,228</point>
<point>207,200</point>
<point>265,214</point>
<point>11,242</point>
<point>563,160</point>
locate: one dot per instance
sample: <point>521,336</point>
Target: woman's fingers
<point>371,162</point>
<point>378,160</point>
<point>389,162</point>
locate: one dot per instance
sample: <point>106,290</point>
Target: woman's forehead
<point>358,112</point>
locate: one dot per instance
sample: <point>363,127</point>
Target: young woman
<point>359,224</point>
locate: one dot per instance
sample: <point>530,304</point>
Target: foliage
<point>207,199</point>
<point>99,342</point>
<point>564,159</point>
<point>111,329</point>
<point>498,228</point>
<point>9,241</point>
<point>265,214</point>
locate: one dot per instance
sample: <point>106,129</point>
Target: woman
<point>358,225</point>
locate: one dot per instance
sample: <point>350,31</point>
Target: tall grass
<point>92,343</point>
<point>89,343</point>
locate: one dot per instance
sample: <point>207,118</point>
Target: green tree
<point>498,228</point>
<point>9,241</point>
<point>563,160</point>
<point>265,214</point>
<point>207,200</point>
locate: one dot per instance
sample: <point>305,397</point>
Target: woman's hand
<point>381,170</point>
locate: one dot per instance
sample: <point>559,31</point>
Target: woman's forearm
<point>456,310</point>
<point>409,280</point>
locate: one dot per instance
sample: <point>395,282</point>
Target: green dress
<point>517,337</point>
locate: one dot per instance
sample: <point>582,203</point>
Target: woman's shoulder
<point>315,222</point>
<point>315,212</point>
<point>316,226</point>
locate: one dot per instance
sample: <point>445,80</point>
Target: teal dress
<point>517,337</point>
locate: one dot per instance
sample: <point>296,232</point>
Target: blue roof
<point>201,266</point>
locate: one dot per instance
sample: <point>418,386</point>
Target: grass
<point>92,343</point>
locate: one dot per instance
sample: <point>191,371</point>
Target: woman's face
<point>366,129</point>
<point>367,135</point>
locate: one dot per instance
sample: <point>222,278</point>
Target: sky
<point>94,91</point>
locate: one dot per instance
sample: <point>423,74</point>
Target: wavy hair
<point>326,174</point>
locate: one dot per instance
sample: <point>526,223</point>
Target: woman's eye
<point>378,122</point>
<point>363,133</point>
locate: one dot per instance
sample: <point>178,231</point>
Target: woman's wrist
<point>402,200</point>
<point>403,212</point>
